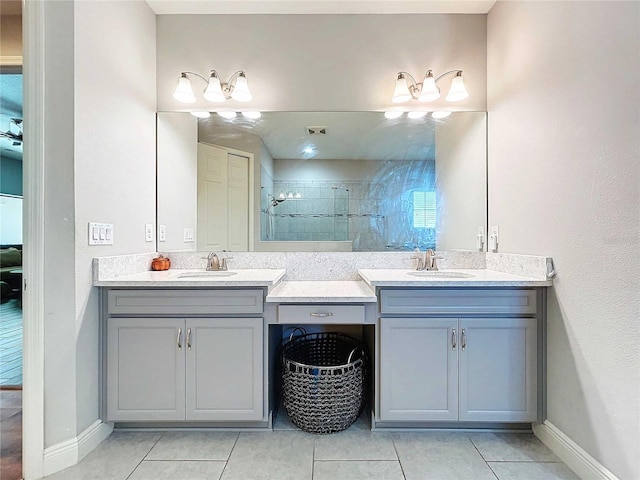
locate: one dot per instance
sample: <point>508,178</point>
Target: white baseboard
<point>576,458</point>
<point>65,454</point>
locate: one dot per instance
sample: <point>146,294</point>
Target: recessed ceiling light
<point>252,114</point>
<point>393,114</point>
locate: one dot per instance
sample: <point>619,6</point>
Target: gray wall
<point>99,166</point>
<point>321,62</point>
<point>564,181</point>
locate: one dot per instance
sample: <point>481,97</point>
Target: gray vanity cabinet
<point>443,366</point>
<point>188,368</point>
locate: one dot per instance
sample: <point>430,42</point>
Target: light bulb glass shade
<point>457,91</point>
<point>252,114</point>
<point>282,196</point>
<point>241,91</point>
<point>227,114</point>
<point>430,90</point>
<point>200,114</point>
<point>415,115</point>
<point>391,114</point>
<point>440,114</point>
<point>184,92</point>
<point>401,93</point>
<point>298,195</point>
<point>213,92</point>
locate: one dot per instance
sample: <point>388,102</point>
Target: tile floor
<point>287,453</point>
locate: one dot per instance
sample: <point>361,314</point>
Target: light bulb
<point>200,114</point>
<point>241,89</point>
<point>430,90</point>
<point>282,196</point>
<point>457,91</point>
<point>298,195</point>
<point>440,114</point>
<point>213,92</point>
<point>416,115</point>
<point>184,92</point>
<point>290,195</point>
<point>401,93</point>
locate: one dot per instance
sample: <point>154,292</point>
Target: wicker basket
<point>324,380</point>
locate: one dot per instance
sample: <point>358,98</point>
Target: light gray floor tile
<point>180,470</point>
<point>512,447</point>
<point>193,446</point>
<point>271,455</point>
<point>532,471</point>
<point>283,422</point>
<point>350,470</point>
<point>113,459</point>
<point>440,456</point>
<point>357,442</point>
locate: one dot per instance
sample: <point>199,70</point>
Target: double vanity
<point>453,348</point>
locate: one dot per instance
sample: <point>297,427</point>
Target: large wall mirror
<point>321,181</point>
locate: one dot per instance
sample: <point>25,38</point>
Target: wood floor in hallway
<point>10,434</point>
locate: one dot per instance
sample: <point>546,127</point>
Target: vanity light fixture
<point>416,115</point>
<point>393,114</point>
<point>252,114</point>
<point>236,88</point>
<point>428,91</point>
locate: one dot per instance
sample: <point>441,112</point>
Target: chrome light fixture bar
<point>236,88</point>
<point>408,89</point>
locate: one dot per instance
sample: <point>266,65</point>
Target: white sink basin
<point>205,273</point>
<point>439,274</point>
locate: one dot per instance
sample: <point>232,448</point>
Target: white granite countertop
<point>264,277</point>
<point>459,278</point>
<point>342,291</point>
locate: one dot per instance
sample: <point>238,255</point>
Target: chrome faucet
<point>426,263</point>
<point>215,263</point>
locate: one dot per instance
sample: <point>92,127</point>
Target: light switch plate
<point>188,235</point>
<point>148,232</point>
<point>100,233</point>
<point>162,233</point>
<point>494,238</point>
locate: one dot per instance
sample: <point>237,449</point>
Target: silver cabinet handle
<point>453,339</point>
<point>188,339</point>
<point>316,314</point>
<point>463,340</point>
<point>179,339</point>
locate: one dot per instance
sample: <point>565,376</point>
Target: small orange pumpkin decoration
<point>160,263</point>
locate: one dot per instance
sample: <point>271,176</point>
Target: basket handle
<point>304,332</point>
<point>354,351</point>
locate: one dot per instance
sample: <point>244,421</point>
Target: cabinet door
<point>418,369</point>
<point>225,369</point>
<point>498,369</point>
<point>145,369</point>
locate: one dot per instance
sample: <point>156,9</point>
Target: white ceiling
<point>165,7</point>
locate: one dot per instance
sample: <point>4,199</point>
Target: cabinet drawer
<point>457,302</point>
<point>185,302</point>
<point>318,313</point>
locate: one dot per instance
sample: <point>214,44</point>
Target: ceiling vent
<point>316,130</point>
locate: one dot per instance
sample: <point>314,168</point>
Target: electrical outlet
<point>162,233</point>
<point>494,238</point>
<point>148,232</point>
<point>188,235</point>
